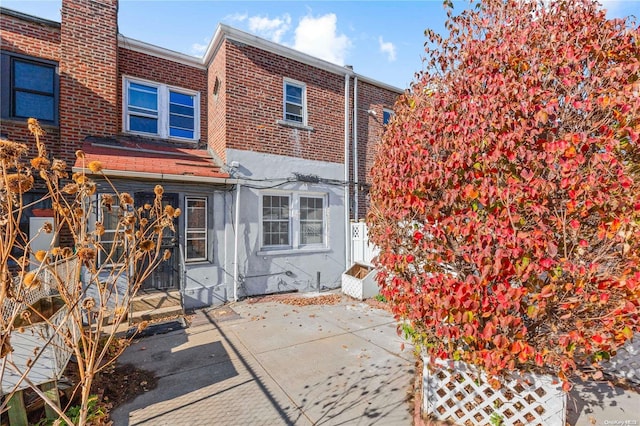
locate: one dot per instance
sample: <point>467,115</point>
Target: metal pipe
<point>355,149</point>
<point>347,231</point>
<point>236,267</point>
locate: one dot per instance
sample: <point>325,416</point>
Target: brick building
<point>265,148</point>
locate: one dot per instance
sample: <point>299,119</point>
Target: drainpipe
<point>355,148</point>
<point>347,240</point>
<point>236,267</point>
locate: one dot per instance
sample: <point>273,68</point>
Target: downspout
<point>355,148</point>
<point>236,267</point>
<point>347,227</point>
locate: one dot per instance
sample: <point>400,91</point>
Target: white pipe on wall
<point>236,267</point>
<point>347,229</point>
<point>355,149</point>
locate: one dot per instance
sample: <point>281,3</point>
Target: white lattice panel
<point>626,363</point>
<point>359,287</point>
<point>361,250</point>
<point>457,392</point>
<point>29,341</point>
<point>65,271</point>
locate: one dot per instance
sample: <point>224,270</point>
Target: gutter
<point>157,176</point>
<point>236,267</point>
<point>347,230</point>
<point>356,198</point>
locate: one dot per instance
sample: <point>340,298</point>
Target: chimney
<point>88,71</point>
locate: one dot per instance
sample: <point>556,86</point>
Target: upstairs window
<point>160,110</point>
<point>386,115</point>
<point>30,88</point>
<point>295,100</point>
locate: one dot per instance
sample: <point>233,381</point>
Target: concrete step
<point>155,314</point>
<point>146,301</point>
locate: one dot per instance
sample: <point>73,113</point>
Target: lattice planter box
<point>359,282</point>
<point>626,362</point>
<point>457,392</point>
<point>28,340</point>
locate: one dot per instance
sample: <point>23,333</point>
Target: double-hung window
<point>276,224</point>
<point>295,102</point>
<point>160,110</point>
<point>196,229</point>
<point>293,221</point>
<point>30,88</point>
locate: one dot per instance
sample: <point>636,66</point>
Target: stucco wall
<point>271,271</point>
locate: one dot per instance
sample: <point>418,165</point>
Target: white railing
<point>362,251</point>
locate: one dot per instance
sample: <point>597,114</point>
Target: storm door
<point>167,275</point>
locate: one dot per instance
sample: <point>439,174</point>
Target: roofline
<point>160,52</point>
<point>156,176</point>
<point>27,17</point>
<point>225,32</point>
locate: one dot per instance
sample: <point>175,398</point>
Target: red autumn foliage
<point>510,177</point>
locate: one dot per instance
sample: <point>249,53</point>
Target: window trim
<point>288,81</point>
<point>8,88</point>
<point>205,229</point>
<point>164,113</point>
<point>294,222</point>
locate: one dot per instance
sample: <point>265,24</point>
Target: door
<point>167,275</point>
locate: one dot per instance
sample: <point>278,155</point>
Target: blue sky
<point>381,39</point>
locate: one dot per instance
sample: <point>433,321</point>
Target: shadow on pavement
<point>256,379</point>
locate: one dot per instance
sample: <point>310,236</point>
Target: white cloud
<point>198,49</point>
<point>388,48</point>
<point>272,29</point>
<point>236,17</point>
<point>318,37</point>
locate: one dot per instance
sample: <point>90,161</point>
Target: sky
<point>382,40</point>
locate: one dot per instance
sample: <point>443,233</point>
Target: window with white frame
<point>196,228</point>
<point>295,101</point>
<point>311,220</point>
<point>293,220</point>
<point>160,110</point>
<point>276,221</point>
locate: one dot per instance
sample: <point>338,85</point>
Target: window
<point>275,221</point>
<point>196,229</point>
<point>29,88</point>
<point>295,102</point>
<point>296,220</point>
<point>386,115</point>
<point>161,110</point>
<point>311,220</point>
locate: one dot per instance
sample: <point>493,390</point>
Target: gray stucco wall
<point>263,271</point>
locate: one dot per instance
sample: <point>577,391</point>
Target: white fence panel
<point>362,251</point>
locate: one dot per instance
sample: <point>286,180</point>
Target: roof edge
<point>160,52</point>
<point>27,17</point>
<point>225,32</point>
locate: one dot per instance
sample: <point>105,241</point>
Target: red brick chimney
<point>88,71</point>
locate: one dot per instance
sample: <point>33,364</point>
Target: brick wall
<point>254,102</point>
<point>88,71</point>
<point>370,130</point>
<point>218,103</point>
<point>39,39</point>
<point>159,70</point>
